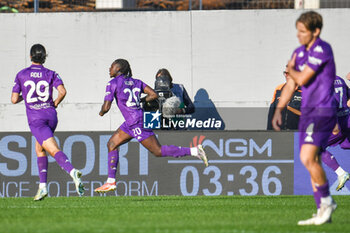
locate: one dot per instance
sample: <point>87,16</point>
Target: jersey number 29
<point>36,87</point>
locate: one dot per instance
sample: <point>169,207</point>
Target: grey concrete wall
<point>235,57</point>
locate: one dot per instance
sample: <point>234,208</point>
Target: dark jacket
<point>291,114</point>
<point>186,102</point>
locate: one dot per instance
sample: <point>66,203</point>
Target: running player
<point>341,134</point>
<point>36,84</point>
<point>127,91</point>
<point>313,68</point>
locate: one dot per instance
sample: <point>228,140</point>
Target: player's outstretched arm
<point>16,98</point>
<point>61,94</point>
<point>105,107</point>
<point>151,94</point>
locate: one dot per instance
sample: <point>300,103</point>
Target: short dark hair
<point>164,72</point>
<point>125,68</point>
<point>311,20</point>
<point>38,53</point>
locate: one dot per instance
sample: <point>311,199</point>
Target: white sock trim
<point>72,172</point>
<point>340,171</point>
<point>42,185</point>
<point>326,200</point>
<point>110,180</point>
<point>194,151</point>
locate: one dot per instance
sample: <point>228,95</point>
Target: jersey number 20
<point>133,98</point>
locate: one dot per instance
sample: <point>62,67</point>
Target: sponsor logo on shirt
<point>337,82</point>
<point>301,54</point>
<point>297,98</point>
<point>318,49</point>
<point>314,60</point>
<point>129,83</point>
<point>40,106</point>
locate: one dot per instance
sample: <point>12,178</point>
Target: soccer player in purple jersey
<point>341,133</point>
<point>34,85</point>
<point>313,68</point>
<point>127,92</point>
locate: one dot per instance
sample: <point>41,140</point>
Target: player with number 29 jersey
<point>36,84</point>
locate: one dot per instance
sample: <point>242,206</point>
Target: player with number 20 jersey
<point>127,92</point>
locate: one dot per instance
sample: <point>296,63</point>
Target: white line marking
<point>230,161</point>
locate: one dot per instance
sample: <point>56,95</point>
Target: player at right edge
<point>313,68</point>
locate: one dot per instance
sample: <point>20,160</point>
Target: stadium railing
<point>14,6</point>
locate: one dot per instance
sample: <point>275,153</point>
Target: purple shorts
<point>43,129</point>
<point>316,130</point>
<point>137,131</point>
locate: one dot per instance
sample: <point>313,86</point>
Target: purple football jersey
<point>127,92</point>
<point>36,84</point>
<point>341,96</point>
<point>318,93</point>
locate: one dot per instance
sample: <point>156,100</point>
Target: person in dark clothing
<point>178,90</point>
<point>291,114</point>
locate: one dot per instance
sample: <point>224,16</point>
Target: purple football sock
<point>42,167</point>
<point>175,151</point>
<point>323,189</point>
<point>329,160</point>
<point>63,161</point>
<point>113,158</point>
<point>317,197</point>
